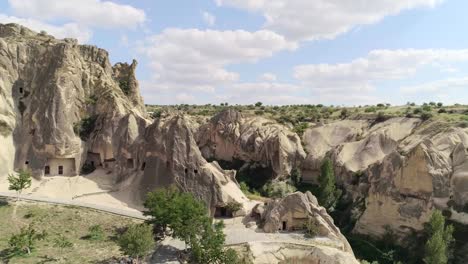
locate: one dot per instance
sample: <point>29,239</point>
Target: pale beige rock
<point>296,210</point>
<point>230,136</point>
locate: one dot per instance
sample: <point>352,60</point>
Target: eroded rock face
<point>171,156</point>
<point>295,211</point>
<point>230,136</point>
<point>396,172</point>
<point>59,100</point>
<point>64,107</point>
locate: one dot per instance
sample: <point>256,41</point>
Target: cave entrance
<point>285,225</point>
<point>222,212</point>
<point>47,170</point>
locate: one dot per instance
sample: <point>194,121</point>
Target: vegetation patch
<point>85,127</point>
<point>5,129</point>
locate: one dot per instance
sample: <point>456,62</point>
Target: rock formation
<point>64,110</point>
<point>394,172</point>
<point>295,212</point>
<point>229,136</point>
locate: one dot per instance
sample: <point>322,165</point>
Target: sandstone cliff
<point>229,136</point>
<point>394,172</point>
<point>66,111</point>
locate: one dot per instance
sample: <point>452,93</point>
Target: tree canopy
<point>328,193</point>
<point>437,249</point>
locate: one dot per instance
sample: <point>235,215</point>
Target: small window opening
<point>26,162</point>
<point>46,170</point>
<point>195,171</point>
<point>21,90</point>
<point>143,166</point>
<point>284,225</point>
<point>60,170</point>
<point>130,163</point>
<point>186,171</point>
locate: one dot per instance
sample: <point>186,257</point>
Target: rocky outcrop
<point>60,100</point>
<point>395,172</point>
<point>299,211</point>
<point>65,110</point>
<point>171,156</point>
<point>229,136</point>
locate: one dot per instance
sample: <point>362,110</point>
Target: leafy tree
<point>296,176</point>
<point>437,249</point>
<point>24,241</point>
<point>187,218</point>
<point>328,193</point>
<point>20,182</point>
<point>258,104</point>
<point>209,248</point>
<point>181,212</point>
<point>137,241</point>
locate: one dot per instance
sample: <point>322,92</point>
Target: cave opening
<point>253,174</point>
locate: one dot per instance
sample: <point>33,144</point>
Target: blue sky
<point>276,51</point>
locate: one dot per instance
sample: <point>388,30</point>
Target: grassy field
<point>61,222</point>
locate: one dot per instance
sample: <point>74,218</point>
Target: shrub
<point>300,128</point>
<point>328,193</point>
<point>87,168</point>
<point>427,108</point>
<point>278,189</point>
<point>426,116</point>
<point>311,228</point>
<point>25,241</point>
<point>371,109</point>
<point>259,112</point>
<point>85,127</point>
<point>96,233</point>
<point>234,206</point>
<point>124,86</point>
<point>258,104</point>
<point>62,242</point>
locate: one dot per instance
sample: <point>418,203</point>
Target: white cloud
<point>264,88</point>
<point>323,19</point>
<point>209,19</point>
<point>92,13</point>
<point>359,76</point>
<point>436,86</point>
<point>268,77</point>
<point>195,60</point>
<point>69,30</point>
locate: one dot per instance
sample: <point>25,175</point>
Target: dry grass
<point>71,222</point>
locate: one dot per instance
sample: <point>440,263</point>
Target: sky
<point>333,52</point>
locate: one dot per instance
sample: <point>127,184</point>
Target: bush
<point>137,241</point>
<point>311,228</point>
<point>259,112</point>
<point>234,206</point>
<point>85,127</point>
<point>87,168</point>
<point>301,128</point>
<point>96,233</point>
<point>124,86</point>
<point>24,242</point>
<point>426,116</point>
<point>371,109</point>
<point>258,104</point>
<point>278,189</point>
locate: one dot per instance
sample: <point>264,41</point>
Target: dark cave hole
<point>253,174</point>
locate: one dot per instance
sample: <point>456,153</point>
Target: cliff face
<point>230,136</point>
<point>395,172</point>
<point>65,111</point>
<point>56,94</point>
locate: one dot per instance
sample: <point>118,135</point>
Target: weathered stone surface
<point>172,156</point>
<point>298,209</point>
<point>401,167</point>
<point>63,105</point>
<point>230,136</point>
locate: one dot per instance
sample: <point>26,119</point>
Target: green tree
<point>328,193</point>
<point>187,218</point>
<point>437,248</point>
<point>24,242</point>
<point>258,104</point>
<point>209,248</point>
<point>180,212</point>
<point>20,182</point>
<point>137,241</point>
